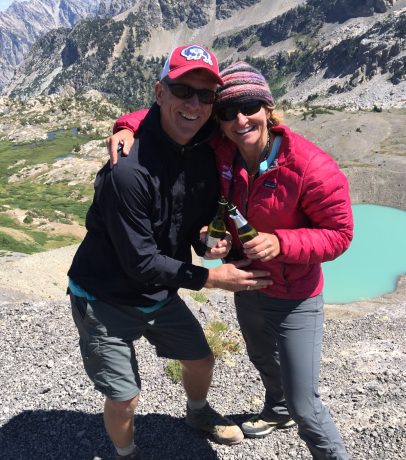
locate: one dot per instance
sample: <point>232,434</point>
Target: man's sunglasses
<point>181,91</point>
<point>231,112</point>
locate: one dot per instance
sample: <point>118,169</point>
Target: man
<point>146,213</point>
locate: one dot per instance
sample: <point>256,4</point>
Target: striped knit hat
<point>242,83</point>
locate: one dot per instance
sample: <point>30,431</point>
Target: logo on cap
<point>196,53</point>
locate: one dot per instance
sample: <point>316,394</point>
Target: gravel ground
<point>49,409</point>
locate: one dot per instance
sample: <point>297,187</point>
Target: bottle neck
<point>220,210</point>
<point>238,218</point>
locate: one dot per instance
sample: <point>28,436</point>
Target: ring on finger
<point>248,288</point>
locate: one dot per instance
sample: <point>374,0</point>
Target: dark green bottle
<point>217,227</point>
<point>246,231</point>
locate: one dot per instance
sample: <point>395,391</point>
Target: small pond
<point>52,134</point>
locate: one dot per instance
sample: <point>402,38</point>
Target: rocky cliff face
<point>314,51</point>
<point>305,19</point>
<point>25,21</point>
<point>379,50</point>
<point>321,50</point>
<point>104,54</point>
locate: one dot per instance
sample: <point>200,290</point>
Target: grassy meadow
<point>57,202</point>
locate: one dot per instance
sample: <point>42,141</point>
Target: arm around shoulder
<point>130,121</point>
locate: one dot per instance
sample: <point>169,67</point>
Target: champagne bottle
<point>217,227</point>
<point>246,231</point>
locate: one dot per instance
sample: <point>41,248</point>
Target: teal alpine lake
<point>374,261</point>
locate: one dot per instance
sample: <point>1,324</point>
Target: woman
<point>296,197</point>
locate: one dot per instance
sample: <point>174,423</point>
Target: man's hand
<point>124,140</point>
<point>263,247</point>
<point>231,277</point>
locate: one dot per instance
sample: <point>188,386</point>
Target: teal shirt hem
<point>76,290</point>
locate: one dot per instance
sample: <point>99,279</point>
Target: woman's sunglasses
<point>231,112</point>
<point>205,96</point>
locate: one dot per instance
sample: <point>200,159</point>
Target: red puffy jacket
<point>304,200</point>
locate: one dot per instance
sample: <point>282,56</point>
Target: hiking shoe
<point>223,430</point>
<point>258,426</point>
<point>136,455</point>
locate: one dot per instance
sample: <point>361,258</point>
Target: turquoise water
<point>373,262</point>
<point>375,259</point>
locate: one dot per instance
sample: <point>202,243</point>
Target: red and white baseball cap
<point>190,57</point>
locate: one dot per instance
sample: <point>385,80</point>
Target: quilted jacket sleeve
<point>325,200</point>
<point>130,121</point>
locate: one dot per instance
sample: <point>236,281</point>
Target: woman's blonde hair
<point>274,118</point>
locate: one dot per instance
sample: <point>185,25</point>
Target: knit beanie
<point>242,83</point>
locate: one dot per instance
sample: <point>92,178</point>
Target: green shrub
<point>173,370</point>
<point>198,296</point>
<point>221,341</point>
<point>10,244</point>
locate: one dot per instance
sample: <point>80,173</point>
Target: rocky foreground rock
<point>49,409</point>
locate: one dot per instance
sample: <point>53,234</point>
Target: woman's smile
<point>245,130</point>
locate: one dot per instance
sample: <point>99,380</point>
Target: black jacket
<point>146,213</point>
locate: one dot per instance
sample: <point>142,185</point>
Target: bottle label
<point>211,241</point>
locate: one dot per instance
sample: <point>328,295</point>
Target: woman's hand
<point>221,249</point>
<point>123,138</point>
<point>263,247</point>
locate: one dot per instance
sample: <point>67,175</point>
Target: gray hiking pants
<point>283,339</point>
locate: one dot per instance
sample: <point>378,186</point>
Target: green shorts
<point>106,340</point>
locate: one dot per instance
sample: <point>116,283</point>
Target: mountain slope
<point>25,21</point>
<point>311,51</point>
<point>332,50</point>
<point>105,54</point>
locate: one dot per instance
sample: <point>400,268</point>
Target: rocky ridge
<point>25,21</point>
<point>367,68</point>
<point>331,54</point>
<point>336,53</point>
<point>33,119</point>
<point>101,54</point>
